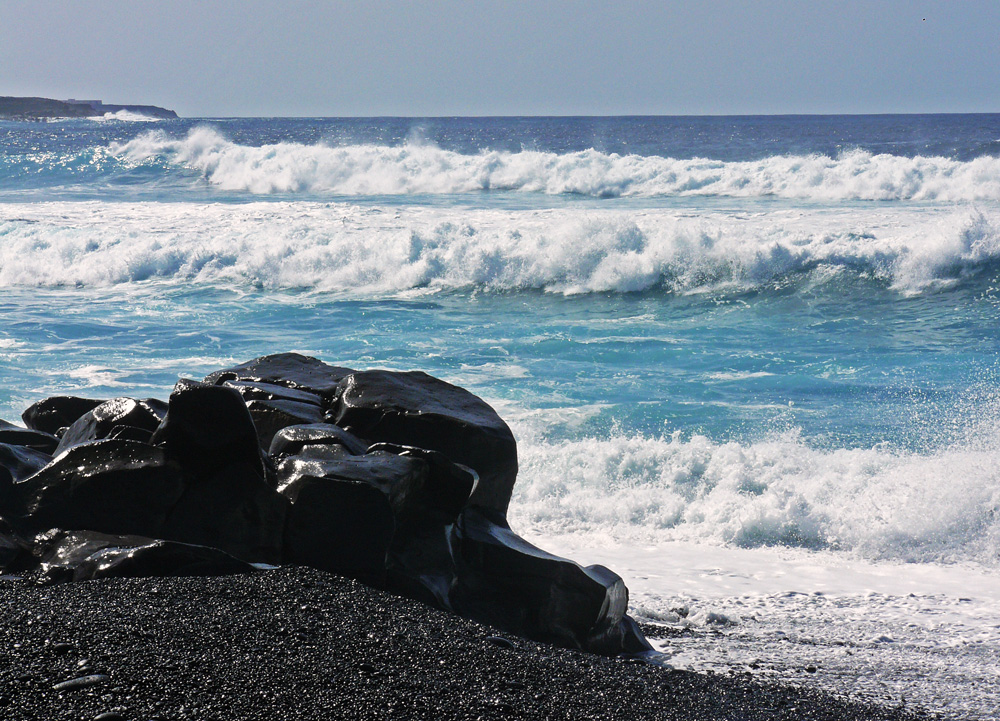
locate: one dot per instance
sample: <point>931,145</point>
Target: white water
<point>924,635</point>
<point>875,569</point>
<point>424,168</point>
<point>361,249</point>
<point>938,507</point>
<point>128,116</point>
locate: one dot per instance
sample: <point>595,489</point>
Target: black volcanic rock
<point>269,417</point>
<point>262,391</point>
<point>399,478</point>
<point>86,555</point>
<point>19,462</point>
<point>232,509</point>
<point>415,409</point>
<point>505,581</point>
<point>227,502</point>
<point>292,439</point>
<point>286,369</point>
<point>96,424</point>
<point>338,525</point>
<point>405,486</point>
<point>27,437</point>
<point>111,486</point>
<point>208,427</point>
<point>51,414</point>
<point>15,549</point>
<point>448,486</point>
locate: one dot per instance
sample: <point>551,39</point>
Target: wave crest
<point>881,504</point>
<point>420,168</point>
<point>364,250</point>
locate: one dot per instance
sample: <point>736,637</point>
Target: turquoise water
<point>683,301</point>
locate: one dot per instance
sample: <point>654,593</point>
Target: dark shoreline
<point>296,643</point>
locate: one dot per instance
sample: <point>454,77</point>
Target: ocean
<point>752,363</point>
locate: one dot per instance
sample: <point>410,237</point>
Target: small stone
<point>62,648</point>
<point>109,716</point>
<point>82,682</point>
<point>500,641</point>
<point>810,669</point>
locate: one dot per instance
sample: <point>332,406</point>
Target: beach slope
<point>296,643</point>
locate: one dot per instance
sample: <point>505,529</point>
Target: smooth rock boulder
<point>448,486</point>
<point>51,414</point>
<point>86,555</point>
<point>208,427</point>
<point>269,417</point>
<point>415,409</point>
<point>421,564</point>
<point>15,550</point>
<point>286,369</point>
<point>20,462</point>
<point>339,526</point>
<point>112,486</point>
<point>131,433</point>
<point>505,581</point>
<point>226,502</point>
<point>27,437</point>
<point>399,479</point>
<point>234,510</point>
<point>262,391</point>
<point>97,424</point>
<point>344,513</point>
<point>291,440</point>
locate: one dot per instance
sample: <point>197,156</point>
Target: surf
<point>425,168</point>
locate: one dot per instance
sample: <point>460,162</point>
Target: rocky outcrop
<point>399,480</point>
<point>19,108</point>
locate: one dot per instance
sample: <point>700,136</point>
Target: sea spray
<point>424,168</point>
<point>879,503</point>
<point>361,250</point>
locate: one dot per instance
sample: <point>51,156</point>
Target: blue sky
<point>256,57</point>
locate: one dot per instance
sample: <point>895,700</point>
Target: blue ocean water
<point>751,362</point>
<point>643,298</point>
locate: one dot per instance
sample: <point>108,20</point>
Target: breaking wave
<point>128,116</point>
<point>878,503</point>
<point>417,168</point>
<point>363,250</point>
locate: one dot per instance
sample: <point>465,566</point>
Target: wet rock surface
<point>415,409</point>
<point>296,643</point>
<point>398,479</point>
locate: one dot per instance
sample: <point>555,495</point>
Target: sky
<point>214,58</point>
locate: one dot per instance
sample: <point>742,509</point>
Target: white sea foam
<point>425,168</point>
<point>941,506</point>
<point>129,116</point>
<point>366,250</point>
<point>920,634</point>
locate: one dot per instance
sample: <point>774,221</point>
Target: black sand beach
<point>296,643</point>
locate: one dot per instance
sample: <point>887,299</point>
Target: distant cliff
<point>42,108</point>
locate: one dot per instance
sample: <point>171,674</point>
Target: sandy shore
<point>300,644</point>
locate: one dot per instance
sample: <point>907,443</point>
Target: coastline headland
<point>17,108</point>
